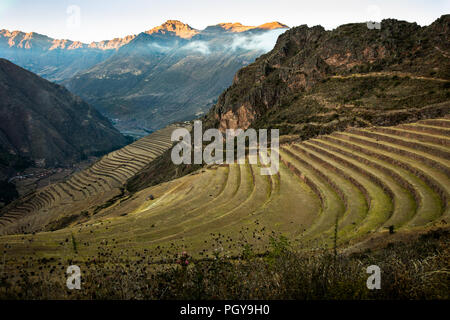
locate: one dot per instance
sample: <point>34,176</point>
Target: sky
<point>95,20</point>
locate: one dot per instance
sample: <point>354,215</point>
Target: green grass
<point>403,201</point>
<point>426,201</point>
<point>380,207</point>
<point>428,166</point>
<point>332,205</point>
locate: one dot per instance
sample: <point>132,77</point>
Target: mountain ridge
<point>21,39</point>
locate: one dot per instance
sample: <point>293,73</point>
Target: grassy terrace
<point>84,189</point>
<point>354,183</point>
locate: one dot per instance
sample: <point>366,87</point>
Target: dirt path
<point>389,74</point>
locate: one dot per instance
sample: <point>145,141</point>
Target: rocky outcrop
<point>175,28</point>
<point>304,56</point>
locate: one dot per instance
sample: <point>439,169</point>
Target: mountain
<point>172,72</point>
<point>51,58</point>
<point>43,124</point>
<point>169,73</point>
<point>174,28</point>
<point>315,81</point>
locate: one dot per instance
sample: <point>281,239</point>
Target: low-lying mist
<point>262,42</point>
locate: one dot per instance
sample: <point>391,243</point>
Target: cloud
<point>157,47</point>
<point>198,46</point>
<point>262,42</point>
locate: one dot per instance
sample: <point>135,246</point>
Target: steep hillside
<point>315,81</point>
<point>364,161</point>
<point>42,124</point>
<point>86,192</point>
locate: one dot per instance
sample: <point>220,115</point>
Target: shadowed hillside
<point>84,193</point>
<point>42,124</point>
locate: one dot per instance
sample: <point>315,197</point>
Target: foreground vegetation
<point>418,269</point>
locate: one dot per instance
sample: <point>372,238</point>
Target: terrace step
<point>224,218</point>
<point>102,182</point>
<point>95,185</point>
<point>380,194</point>
<point>415,187</point>
<point>333,206</point>
<point>433,149</point>
<point>418,155</point>
<point>353,193</point>
<point>111,171</point>
<point>177,206</point>
<point>419,136</point>
<point>426,128</point>
<point>436,122</point>
<point>433,184</point>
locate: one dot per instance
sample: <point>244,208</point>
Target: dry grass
<point>413,270</point>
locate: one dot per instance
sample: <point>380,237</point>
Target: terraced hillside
<point>371,179</point>
<point>362,180</point>
<point>82,190</point>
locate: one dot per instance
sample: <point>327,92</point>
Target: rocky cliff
<point>349,75</point>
